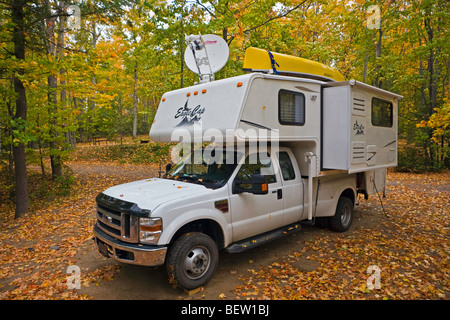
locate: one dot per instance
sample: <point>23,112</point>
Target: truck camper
<point>287,143</point>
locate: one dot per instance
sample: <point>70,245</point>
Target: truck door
<point>253,214</point>
<point>293,193</point>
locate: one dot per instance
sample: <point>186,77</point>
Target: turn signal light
<point>156,228</point>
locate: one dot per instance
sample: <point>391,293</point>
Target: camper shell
<point>348,125</point>
<point>301,148</point>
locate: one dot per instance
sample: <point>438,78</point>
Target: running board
<point>262,238</point>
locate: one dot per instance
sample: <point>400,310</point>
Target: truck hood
<point>150,193</point>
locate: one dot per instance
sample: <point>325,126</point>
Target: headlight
<point>149,230</point>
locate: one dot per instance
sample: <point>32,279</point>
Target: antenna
<point>205,55</point>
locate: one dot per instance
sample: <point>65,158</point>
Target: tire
<point>343,218</point>
<point>192,260</point>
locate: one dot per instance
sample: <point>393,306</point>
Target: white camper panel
<point>213,106</point>
<point>287,110</point>
<point>359,127</point>
<point>291,106</point>
<point>263,107</point>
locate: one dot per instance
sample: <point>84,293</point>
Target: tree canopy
<point>77,70</point>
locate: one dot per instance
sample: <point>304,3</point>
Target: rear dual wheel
<point>343,218</point>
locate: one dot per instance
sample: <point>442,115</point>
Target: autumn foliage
<point>71,95</point>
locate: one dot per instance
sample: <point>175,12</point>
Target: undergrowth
<point>124,153</point>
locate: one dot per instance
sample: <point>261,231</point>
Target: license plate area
<point>104,249</point>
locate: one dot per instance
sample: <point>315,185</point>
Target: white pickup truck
<point>284,148</point>
<point>185,218</point>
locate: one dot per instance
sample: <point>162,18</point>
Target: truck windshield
<point>212,171</point>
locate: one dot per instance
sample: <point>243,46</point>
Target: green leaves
<point>21,132</point>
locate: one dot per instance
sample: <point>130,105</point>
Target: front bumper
<point>143,255</point>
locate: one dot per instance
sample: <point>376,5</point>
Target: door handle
<point>279,193</point>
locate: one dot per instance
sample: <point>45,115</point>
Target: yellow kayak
<point>278,63</point>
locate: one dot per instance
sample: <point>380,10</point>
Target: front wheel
<point>192,260</point>
<point>343,218</point>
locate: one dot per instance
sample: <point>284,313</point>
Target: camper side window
<point>291,108</point>
<point>381,112</point>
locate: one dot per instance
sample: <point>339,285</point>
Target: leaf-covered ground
<point>410,245</point>
<point>36,250</point>
<point>410,248</point>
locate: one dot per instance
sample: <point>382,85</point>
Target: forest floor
<point>405,246</point>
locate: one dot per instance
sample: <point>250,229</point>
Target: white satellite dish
<point>205,55</point>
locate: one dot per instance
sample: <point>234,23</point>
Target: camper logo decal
<point>189,116</point>
<point>359,128</point>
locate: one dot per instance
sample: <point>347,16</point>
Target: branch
<point>276,17</point>
<point>205,7</point>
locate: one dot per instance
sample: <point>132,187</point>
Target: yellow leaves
<point>439,121</point>
<point>363,288</point>
<point>222,296</point>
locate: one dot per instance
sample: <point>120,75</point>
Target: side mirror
<point>257,185</point>
<point>260,184</point>
<point>168,167</point>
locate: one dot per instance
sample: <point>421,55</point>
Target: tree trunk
<point>378,82</point>
<point>181,54</point>
<point>366,62</point>
<point>20,165</point>
<point>432,88</point>
<point>135,113</point>
<point>55,157</point>
<point>62,10</point>
<point>93,80</point>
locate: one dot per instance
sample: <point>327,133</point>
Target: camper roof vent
<point>205,55</point>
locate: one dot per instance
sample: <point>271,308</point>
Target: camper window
<point>291,108</point>
<point>381,112</point>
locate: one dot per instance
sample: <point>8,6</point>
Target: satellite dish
<point>205,55</point>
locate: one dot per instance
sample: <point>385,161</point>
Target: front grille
<point>120,225</point>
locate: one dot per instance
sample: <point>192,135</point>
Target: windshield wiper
<point>191,178</point>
